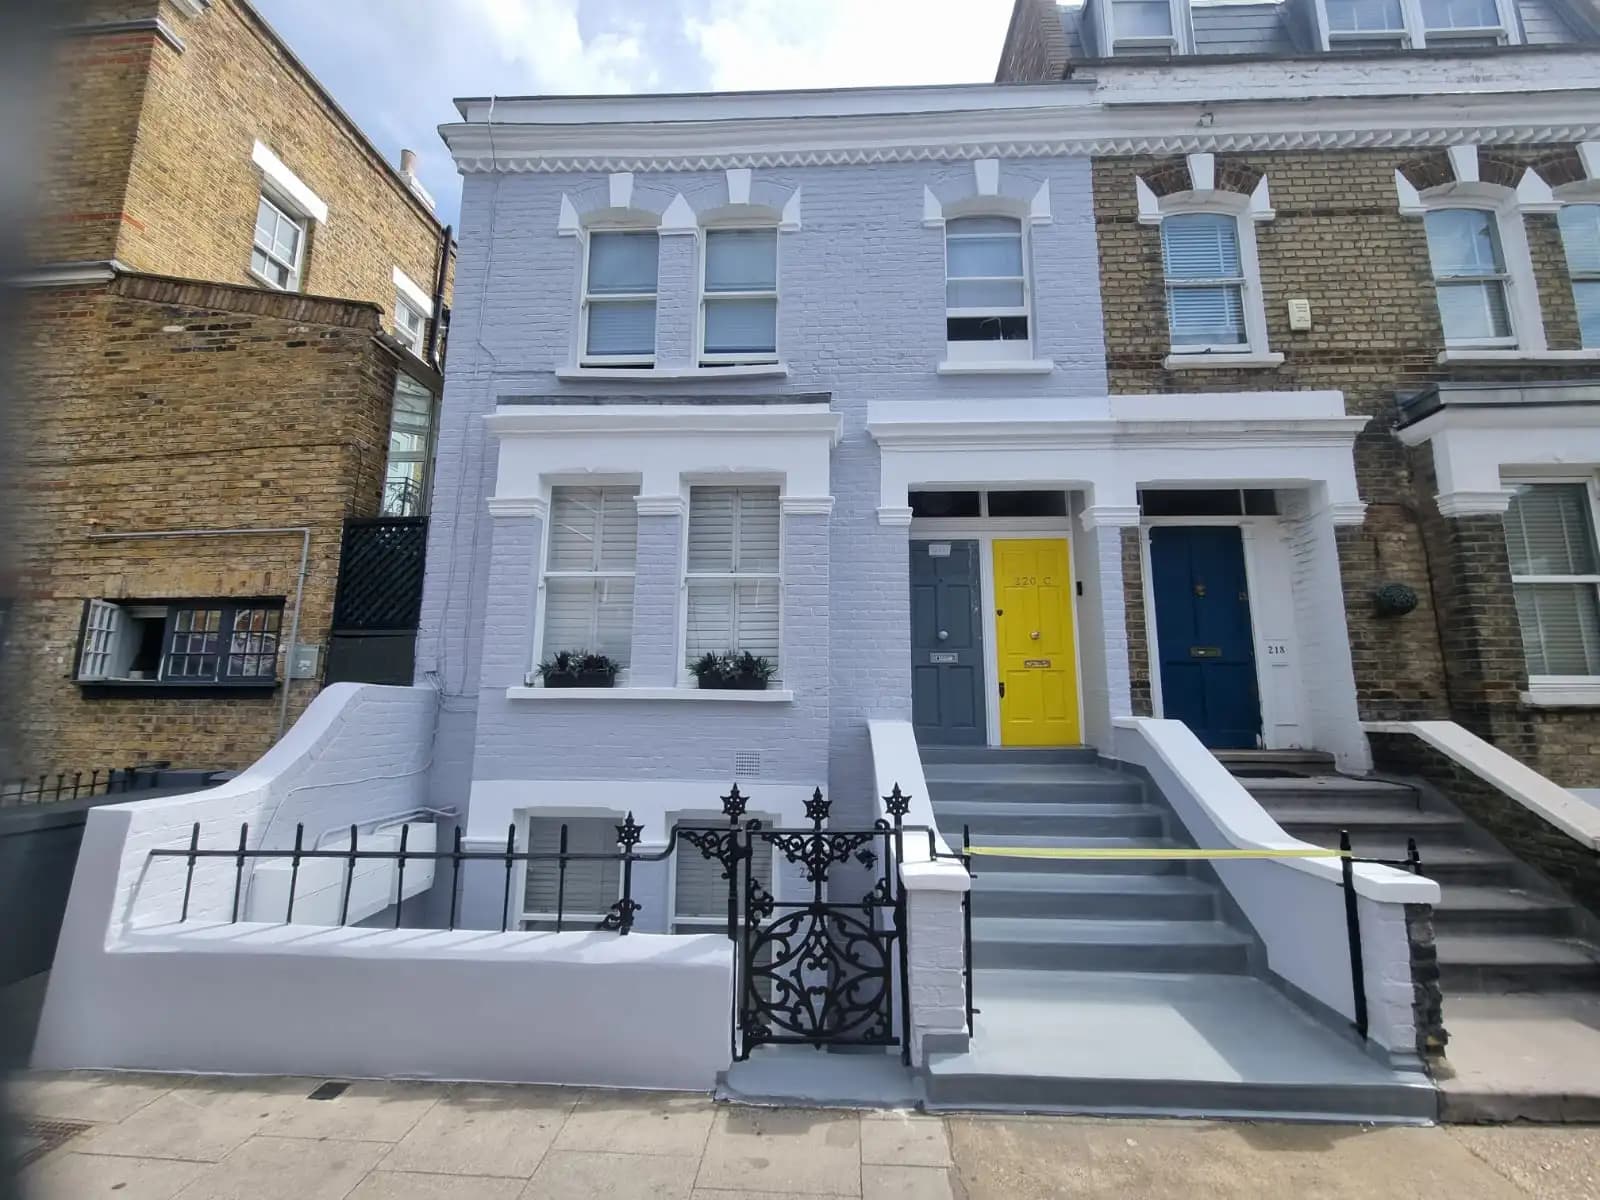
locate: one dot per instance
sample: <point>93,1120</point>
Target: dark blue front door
<point>946,644</point>
<point>1208,662</point>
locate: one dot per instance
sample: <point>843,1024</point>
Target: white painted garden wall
<point>133,989</point>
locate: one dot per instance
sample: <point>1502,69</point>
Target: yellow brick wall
<point>161,407</point>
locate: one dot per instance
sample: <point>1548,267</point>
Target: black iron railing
<point>73,785</point>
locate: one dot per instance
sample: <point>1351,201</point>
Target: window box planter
<point>588,679</point>
<point>739,683</point>
<point>578,669</point>
<point>733,672</point>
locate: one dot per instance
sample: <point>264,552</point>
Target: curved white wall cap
<point>1240,817</point>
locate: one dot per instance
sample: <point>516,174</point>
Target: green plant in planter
<point>733,671</point>
<point>578,668</point>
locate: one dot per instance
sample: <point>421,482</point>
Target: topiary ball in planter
<point>1394,599</point>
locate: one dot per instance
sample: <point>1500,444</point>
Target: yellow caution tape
<point>1140,852</point>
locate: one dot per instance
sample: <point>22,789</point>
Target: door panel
<point>946,644</point>
<point>1034,639</point>
<point>1208,662</point>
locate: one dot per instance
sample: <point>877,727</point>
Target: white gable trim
<point>288,185</point>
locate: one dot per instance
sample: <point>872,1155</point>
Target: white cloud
<point>544,37</point>
<point>754,44</point>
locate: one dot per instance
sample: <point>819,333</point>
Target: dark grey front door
<point>946,644</point>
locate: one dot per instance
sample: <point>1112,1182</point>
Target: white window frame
<point>1587,196</point>
<point>1414,33</point>
<point>1228,204</point>
<point>775,294</point>
<point>1177,43</point>
<point>686,677</point>
<point>1516,280</point>
<point>1557,683</point>
<point>642,362</point>
<point>296,267</point>
<point>546,574</point>
<point>522,915</point>
<point>1015,350</point>
<point>414,335</point>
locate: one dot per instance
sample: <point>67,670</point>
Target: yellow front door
<point>1035,645</point>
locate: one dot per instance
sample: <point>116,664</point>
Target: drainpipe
<point>299,588</point>
<point>438,298</point>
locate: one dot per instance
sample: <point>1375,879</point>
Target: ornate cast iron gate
<point>819,971</point>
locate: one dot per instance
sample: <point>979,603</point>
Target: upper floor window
<point>733,582</point>
<point>405,484</point>
<point>279,248</point>
<point>1205,282</point>
<point>1458,20</point>
<point>1394,24</point>
<point>589,571</point>
<point>986,288</point>
<point>410,326</point>
<point>1141,25</point>
<point>1470,277</point>
<point>1364,24</point>
<point>619,298</point>
<point>739,303</point>
<point>1580,234</point>
<point>1555,576</point>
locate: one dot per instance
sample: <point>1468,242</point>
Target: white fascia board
<point>407,287</point>
<point>692,419</point>
<point>1501,102</point>
<point>289,185</point>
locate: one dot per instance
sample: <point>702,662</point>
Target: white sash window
<point>589,571</point>
<point>733,580</point>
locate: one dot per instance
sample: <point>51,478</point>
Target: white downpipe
<point>299,588</point>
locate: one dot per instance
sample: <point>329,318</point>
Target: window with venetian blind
<point>1580,234</point>
<point>589,570</point>
<point>1555,575</point>
<point>1205,282</point>
<point>1470,277</point>
<point>733,582</point>
<point>590,888</point>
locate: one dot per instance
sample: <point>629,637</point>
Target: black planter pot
<point>588,679</point>
<point>741,683</point>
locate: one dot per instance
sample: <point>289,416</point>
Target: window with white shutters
<point>733,581</point>
<point>590,887</point>
<point>1555,575</point>
<point>589,569</point>
<point>1580,234</point>
<point>739,305</point>
<point>1470,277</point>
<point>700,893</point>
<point>1205,282</point>
<point>619,298</point>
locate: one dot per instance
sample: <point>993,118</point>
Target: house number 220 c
<point>1033,581</point>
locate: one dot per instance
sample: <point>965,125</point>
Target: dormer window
<point>1366,24</point>
<point>1477,22</point>
<point>1142,27</point>
<point>1357,25</point>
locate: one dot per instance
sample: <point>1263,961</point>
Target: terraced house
<point>236,317</point>
<point>1132,480</point>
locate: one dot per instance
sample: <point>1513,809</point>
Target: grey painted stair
<point>1080,820</point>
<point>1098,944</point>
<point>1063,866</point>
<point>987,756</point>
<point>1498,929</point>
<point>1114,897</point>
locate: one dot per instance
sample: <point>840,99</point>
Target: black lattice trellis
<point>380,574</point>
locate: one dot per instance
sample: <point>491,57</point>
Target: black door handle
<point>1002,689</point>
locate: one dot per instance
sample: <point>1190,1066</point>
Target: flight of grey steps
<point>1495,932</point>
<point>1082,915</point>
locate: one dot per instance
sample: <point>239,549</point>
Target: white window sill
<point>1576,694</point>
<point>1218,362</point>
<point>1458,357</point>
<point>776,370</point>
<point>1027,366</point>
<point>703,695</point>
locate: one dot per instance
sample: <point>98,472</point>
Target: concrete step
<point>1510,963</point>
<point>1112,897</point>
<point>1335,791</point>
<point>1112,788</point>
<point>1168,1045</point>
<point>1062,820</point>
<point>1445,862</point>
<point>1022,772</point>
<point>1313,824</point>
<point>1005,756</point>
<point>1468,909</point>
<point>1076,866</point>
<point>1066,944</point>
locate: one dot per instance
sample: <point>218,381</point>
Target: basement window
<point>181,643</point>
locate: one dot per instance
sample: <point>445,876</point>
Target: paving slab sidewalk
<point>143,1137</point>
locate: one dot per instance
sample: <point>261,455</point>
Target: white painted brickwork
<point>938,987</point>
<point>861,315</point>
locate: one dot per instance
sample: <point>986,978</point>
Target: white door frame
<point>986,531</point>
<point>1264,650</point>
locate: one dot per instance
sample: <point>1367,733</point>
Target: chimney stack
<point>408,162</point>
<point>408,172</point>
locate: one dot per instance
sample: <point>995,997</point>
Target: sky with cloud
<point>395,65</point>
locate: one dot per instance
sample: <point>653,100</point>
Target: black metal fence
<point>74,785</point>
<point>816,969</point>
